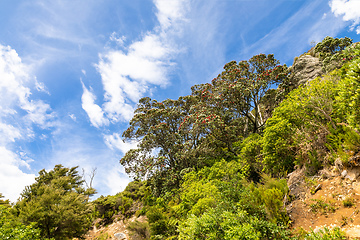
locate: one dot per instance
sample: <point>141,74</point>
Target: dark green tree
<point>241,86</point>
<point>58,203</point>
<point>330,46</point>
<point>175,135</point>
<point>331,52</point>
<point>168,141</point>
<point>232,106</point>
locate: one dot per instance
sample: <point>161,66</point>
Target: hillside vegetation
<point>214,164</point>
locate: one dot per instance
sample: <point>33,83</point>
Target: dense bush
<point>11,228</point>
<point>122,203</point>
<point>296,133</point>
<point>213,147</point>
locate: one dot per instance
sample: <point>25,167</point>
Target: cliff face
<point>304,69</point>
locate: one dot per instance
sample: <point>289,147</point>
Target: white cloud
<point>14,90</point>
<point>118,40</point>
<point>349,10</point>
<point>115,141</point>
<point>8,133</point>
<point>116,180</point>
<point>126,77</point>
<point>129,75</point>
<point>93,110</point>
<point>12,179</point>
<point>56,20</point>
<point>72,116</point>
<point>170,12</point>
<point>18,114</point>
<point>40,86</point>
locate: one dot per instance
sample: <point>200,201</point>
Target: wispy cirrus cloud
<point>349,10</point>
<point>19,112</point>
<point>130,73</point>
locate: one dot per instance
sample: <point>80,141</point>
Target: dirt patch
<point>318,202</point>
<point>109,231</point>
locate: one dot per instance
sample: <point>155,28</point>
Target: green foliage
<point>344,140</point>
<point>216,224</point>
<point>164,127</point>
<point>189,133</point>
<point>139,230</point>
<point>218,204</point>
<point>237,92</point>
<point>199,151</point>
<point>107,207</point>
<point>320,206</point>
<point>348,202</point>
<point>324,234</point>
<point>296,133</point>
<point>160,222</point>
<point>57,203</point>
<point>330,51</point>
<point>249,151</point>
<point>270,193</point>
<point>10,228</point>
<point>4,202</point>
<point>348,99</point>
<point>121,203</point>
<point>103,236</point>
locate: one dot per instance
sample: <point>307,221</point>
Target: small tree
<point>58,203</point>
<point>330,51</point>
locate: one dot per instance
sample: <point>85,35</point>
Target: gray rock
<point>120,236</point>
<point>343,174</point>
<point>305,69</point>
<point>353,173</point>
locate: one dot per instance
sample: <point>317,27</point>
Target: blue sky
<point>71,72</point>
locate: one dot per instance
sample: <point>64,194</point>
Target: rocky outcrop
<point>304,69</point>
<point>120,236</point>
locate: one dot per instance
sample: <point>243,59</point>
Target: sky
<point>72,72</point>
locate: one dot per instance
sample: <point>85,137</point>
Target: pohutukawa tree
<point>232,105</point>
<point>241,86</point>
<point>179,134</point>
<point>167,141</point>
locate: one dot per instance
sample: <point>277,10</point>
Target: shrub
<point>270,193</point>
<point>299,126</point>
<point>139,230</point>
<point>10,228</point>
<point>325,234</point>
<point>348,202</point>
<point>321,206</point>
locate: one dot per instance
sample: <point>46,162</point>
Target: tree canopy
<point>174,135</point>
<point>57,203</point>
